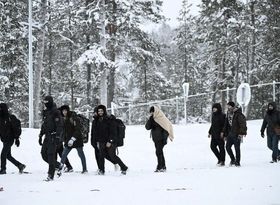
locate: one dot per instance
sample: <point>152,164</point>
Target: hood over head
<point>4,110</point>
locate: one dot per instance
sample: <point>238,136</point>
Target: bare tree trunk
<point>103,82</point>
<point>236,81</point>
<point>145,80</point>
<point>112,28</point>
<point>223,70</point>
<point>39,63</point>
<point>72,76</point>
<point>88,73</point>
<point>50,66</point>
<point>253,51</point>
<point>253,54</point>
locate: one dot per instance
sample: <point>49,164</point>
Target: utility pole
<point>30,65</point>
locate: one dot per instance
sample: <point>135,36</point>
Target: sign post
<point>243,95</point>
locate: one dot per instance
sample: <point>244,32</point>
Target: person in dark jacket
<point>270,121</point>
<point>234,130</point>
<point>104,133</point>
<point>59,150</point>
<point>7,121</point>
<point>94,144</point>
<point>217,125</point>
<point>159,136</point>
<point>52,128</point>
<point>72,137</point>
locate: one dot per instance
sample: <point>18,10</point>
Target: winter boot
<point>49,178</point>
<point>84,171</point>
<point>3,171</point>
<point>100,172</point>
<point>68,169</point>
<point>237,164</point>
<point>21,168</point>
<point>123,172</point>
<point>221,164</point>
<point>232,163</point>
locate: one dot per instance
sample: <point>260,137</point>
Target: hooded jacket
<point>238,126</point>
<point>217,122</point>
<point>52,126</point>
<point>6,133</point>
<point>271,120</point>
<point>71,127</point>
<point>6,124</point>
<point>103,130</point>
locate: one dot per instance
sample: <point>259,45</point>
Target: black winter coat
<point>6,128</point>
<point>270,121</point>
<point>52,126</point>
<point>71,128</point>
<point>157,132</point>
<point>217,124</point>
<point>238,124</point>
<point>103,130</point>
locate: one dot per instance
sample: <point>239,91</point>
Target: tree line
<point>100,51</point>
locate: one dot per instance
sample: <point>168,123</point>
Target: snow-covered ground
<point>192,176</point>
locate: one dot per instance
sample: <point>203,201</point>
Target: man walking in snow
<point>217,125</point>
<point>94,144</point>
<point>270,123</point>
<point>161,128</point>
<point>52,128</point>
<point>104,133</point>
<point>8,137</point>
<point>234,130</point>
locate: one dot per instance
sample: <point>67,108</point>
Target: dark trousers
<point>103,150</point>
<point>59,150</point>
<point>96,152</point>
<point>233,140</point>
<point>6,154</point>
<point>49,152</point>
<point>219,153</point>
<point>159,153</point>
<point>272,143</point>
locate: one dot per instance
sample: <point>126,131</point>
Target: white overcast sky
<point>171,9</point>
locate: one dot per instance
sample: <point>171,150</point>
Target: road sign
<point>243,95</point>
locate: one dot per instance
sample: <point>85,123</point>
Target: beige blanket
<point>162,120</point>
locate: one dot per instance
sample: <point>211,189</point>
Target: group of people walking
<point>228,130</point>
<point>61,126</point>
<point>61,132</point>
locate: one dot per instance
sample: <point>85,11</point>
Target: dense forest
<point>87,52</point>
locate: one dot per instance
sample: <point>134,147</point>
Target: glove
<point>262,135</point>
<point>17,142</point>
<point>40,140</point>
<point>71,141</point>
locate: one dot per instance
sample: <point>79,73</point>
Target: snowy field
<point>192,176</point>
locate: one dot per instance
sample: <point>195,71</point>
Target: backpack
<point>84,123</point>
<point>120,132</point>
<point>16,126</point>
